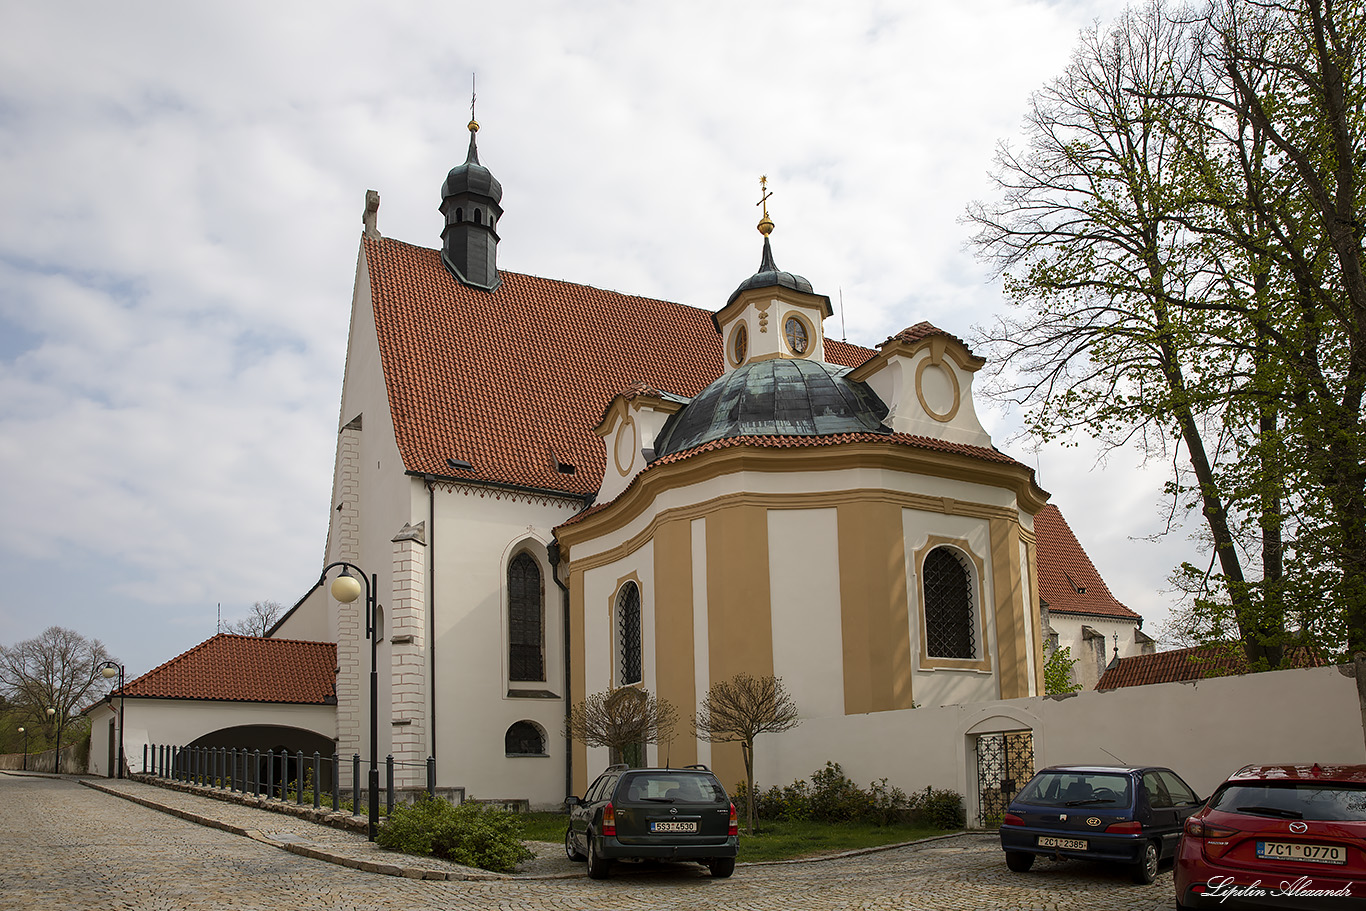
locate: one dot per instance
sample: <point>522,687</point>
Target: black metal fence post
<point>256,773</point>
<point>270,773</point>
<point>431,777</point>
<point>299,779</point>
<point>317,779</point>
<point>389,784</point>
<point>336,783</point>
<point>145,748</point>
<point>355,784</point>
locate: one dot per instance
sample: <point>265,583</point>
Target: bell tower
<point>470,200</point>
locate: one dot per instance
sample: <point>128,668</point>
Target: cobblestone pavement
<point>64,846</point>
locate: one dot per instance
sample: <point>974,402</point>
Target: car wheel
<point>571,850</point>
<point>597,864</point>
<point>1019,861</point>
<point>1145,871</point>
<point>721,867</point>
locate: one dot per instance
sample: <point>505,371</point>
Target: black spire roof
<point>776,397</point>
<point>769,276</point>
<point>472,177</point>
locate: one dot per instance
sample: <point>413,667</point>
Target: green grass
<point>772,840</point>
<point>779,840</point>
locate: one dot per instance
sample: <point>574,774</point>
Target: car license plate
<point>1075,844</point>
<point>673,826</point>
<point>1316,854</point>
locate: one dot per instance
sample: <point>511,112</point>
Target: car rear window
<point>1293,800</point>
<point>1077,789</point>
<point>672,787</point>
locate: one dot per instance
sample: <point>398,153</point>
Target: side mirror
<point>571,801</point>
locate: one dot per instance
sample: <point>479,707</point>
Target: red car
<point>1277,837</point>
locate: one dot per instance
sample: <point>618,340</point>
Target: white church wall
<point>309,621</point>
<point>477,531</point>
<point>1093,654</point>
<point>1204,730</point>
<point>804,584</point>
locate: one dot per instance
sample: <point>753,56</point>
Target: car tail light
<point>1132,827</point>
<point>734,827</point>
<point>1196,828</point>
<point>609,820</point>
<point>1012,820</point>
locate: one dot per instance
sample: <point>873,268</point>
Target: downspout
<point>431,607</point>
<point>553,552</point>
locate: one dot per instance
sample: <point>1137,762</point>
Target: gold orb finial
<point>474,126</point>
<point>765,224</point>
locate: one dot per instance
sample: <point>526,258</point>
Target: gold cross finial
<point>765,223</point>
<point>474,124</point>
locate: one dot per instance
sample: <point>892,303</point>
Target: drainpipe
<point>431,608</point>
<point>553,553</point>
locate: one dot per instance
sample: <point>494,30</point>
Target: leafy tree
<point>59,670</point>
<point>1057,672</point>
<point>258,622</point>
<point>1182,238</point>
<point>623,720</point>
<point>738,710</point>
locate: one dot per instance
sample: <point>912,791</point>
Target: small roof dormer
<point>772,314</point>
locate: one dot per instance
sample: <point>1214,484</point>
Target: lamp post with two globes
<point>109,670</point>
<point>346,589</point>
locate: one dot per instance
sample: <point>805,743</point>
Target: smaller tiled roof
<point>245,669</point>
<point>1068,580</point>
<point>1195,663</point>
<point>923,330</point>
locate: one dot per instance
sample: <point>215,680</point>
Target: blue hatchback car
<point>1130,816</point>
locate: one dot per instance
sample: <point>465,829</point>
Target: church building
<point>562,490</point>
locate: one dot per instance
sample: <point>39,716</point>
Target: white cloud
<point>183,193</point>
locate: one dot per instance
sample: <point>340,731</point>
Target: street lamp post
<point>57,754</point>
<point>24,731</point>
<point>109,670</point>
<point>346,589</point>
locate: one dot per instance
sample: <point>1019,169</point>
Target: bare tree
<point>58,670</point>
<point>623,720</point>
<point>263,616</point>
<point>740,709</point>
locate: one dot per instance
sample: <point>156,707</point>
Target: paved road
<point>64,846</point>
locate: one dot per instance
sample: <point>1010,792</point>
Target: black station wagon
<point>1131,816</point>
<point>653,814</point>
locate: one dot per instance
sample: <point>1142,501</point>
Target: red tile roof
<point>1068,581</point>
<point>246,669</point>
<point>1196,663</point>
<point>923,330</point>
<point>513,380</point>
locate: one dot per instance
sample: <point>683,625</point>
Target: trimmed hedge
<point>831,796</point>
<point>469,834</point>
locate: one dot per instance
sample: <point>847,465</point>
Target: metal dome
<point>473,178</point>
<point>777,397</point>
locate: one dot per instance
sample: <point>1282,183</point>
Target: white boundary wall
<point>1204,730</point>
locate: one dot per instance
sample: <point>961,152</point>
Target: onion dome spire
<point>470,202</point>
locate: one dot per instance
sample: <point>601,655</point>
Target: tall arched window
<point>949,629</point>
<point>628,635</point>
<point>526,619</point>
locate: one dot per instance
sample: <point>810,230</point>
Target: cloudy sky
<point>182,186</point>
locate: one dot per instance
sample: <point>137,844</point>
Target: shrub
<point>469,834</point>
<point>941,809</point>
<point>832,797</point>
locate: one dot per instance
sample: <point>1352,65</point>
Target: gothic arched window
<point>628,635</point>
<point>948,585</point>
<point>526,619</point>
<point>524,739</point>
